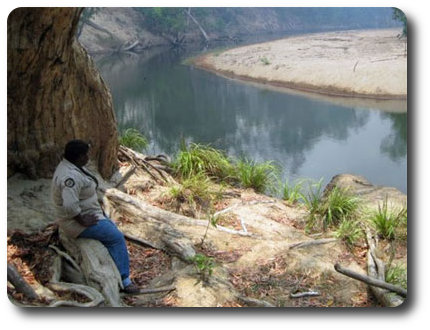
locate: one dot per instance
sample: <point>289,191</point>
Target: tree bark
<point>54,94</point>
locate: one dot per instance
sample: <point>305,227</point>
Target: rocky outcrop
<point>371,194</point>
<point>54,94</point>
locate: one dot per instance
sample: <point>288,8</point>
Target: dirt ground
<point>371,63</point>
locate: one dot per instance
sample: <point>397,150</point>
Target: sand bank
<point>370,63</point>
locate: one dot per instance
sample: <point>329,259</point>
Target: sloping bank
<point>371,63</point>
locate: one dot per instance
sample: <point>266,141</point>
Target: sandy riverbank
<point>370,63</point>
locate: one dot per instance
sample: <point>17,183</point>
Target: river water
<point>309,136</point>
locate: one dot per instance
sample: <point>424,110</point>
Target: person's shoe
<point>131,289</point>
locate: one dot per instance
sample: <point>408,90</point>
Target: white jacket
<point>73,193</point>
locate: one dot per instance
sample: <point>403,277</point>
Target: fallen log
<point>370,280</point>
<point>150,211</point>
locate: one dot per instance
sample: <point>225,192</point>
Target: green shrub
<point>386,221</point>
<point>259,176</point>
<point>133,139</point>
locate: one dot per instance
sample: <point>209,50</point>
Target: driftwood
<point>376,270</point>
<point>146,210</point>
<point>370,280</point>
<point>14,277</point>
<point>140,161</point>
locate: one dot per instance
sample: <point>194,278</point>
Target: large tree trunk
<point>54,93</point>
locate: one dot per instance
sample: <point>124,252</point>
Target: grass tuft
<point>199,158</point>
<point>386,221</point>
<point>133,139</point>
<point>259,176</point>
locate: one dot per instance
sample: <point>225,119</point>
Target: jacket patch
<point>69,182</point>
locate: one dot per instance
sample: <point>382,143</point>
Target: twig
<point>126,176</point>
<point>242,223</point>
<point>65,256</point>
<point>226,210</point>
<point>371,281</point>
<point>304,294</point>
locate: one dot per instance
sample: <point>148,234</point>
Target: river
<point>309,136</point>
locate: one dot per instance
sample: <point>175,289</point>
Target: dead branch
<point>14,277</point>
<point>126,176</point>
<point>376,270</point>
<point>140,161</point>
<point>370,280</point>
<point>304,294</point>
<point>188,12</point>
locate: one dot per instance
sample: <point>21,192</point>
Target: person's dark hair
<point>74,149</point>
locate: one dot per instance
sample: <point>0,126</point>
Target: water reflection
<point>307,136</point>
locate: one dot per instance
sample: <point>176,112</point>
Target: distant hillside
<point>109,29</point>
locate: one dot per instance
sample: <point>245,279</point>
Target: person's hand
<point>87,220</point>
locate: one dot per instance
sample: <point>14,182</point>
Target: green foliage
<point>386,221</point>
<point>133,139</point>
<point>259,176</point>
<point>397,275</point>
<point>312,198</point>
<point>204,266</point>
<point>203,159</point>
<point>349,231</point>
<point>338,205</point>
<point>291,192</point>
<point>164,19</point>
<point>330,210</point>
<point>400,16</point>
